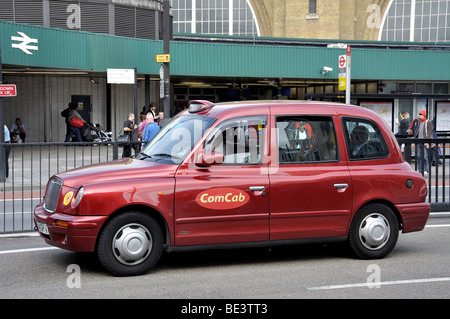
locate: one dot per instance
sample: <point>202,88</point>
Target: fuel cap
<point>409,183</point>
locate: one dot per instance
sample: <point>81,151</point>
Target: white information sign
<point>383,109</point>
<point>443,116</point>
<point>120,76</point>
<point>161,89</point>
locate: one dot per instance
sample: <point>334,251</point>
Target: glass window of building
<point>312,6</point>
<point>230,17</point>
<point>417,20</point>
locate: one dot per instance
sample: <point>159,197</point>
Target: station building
<point>58,51</point>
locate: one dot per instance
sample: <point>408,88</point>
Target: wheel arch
<point>143,209</point>
<point>386,203</point>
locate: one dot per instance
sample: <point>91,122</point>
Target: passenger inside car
<point>364,140</point>
<point>359,139</point>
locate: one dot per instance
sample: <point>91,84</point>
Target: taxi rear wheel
<point>373,232</point>
<point>130,244</point>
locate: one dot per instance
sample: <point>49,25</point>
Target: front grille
<point>52,194</point>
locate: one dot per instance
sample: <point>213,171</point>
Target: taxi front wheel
<point>373,232</point>
<point>130,244</point>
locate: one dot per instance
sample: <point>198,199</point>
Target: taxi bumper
<point>414,216</point>
<point>76,233</point>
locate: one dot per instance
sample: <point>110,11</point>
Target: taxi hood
<point>122,169</point>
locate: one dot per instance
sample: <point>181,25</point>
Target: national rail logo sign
<point>24,43</point>
<point>222,198</point>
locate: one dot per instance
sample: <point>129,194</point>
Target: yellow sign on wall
<point>162,58</point>
<point>342,81</point>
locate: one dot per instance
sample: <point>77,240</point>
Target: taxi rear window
<point>364,139</point>
<point>306,139</point>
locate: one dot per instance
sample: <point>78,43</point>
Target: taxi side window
<point>240,140</point>
<point>306,139</point>
<point>364,139</point>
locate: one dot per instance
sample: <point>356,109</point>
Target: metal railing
<point>437,167</point>
<point>32,164</point>
<point>30,167</point>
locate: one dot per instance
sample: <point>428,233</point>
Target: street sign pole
<point>2,121</point>
<point>136,114</point>
<point>348,84</point>
<point>166,47</point>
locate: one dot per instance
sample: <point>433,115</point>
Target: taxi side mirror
<point>205,159</point>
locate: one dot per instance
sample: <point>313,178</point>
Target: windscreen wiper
<point>142,156</point>
<point>166,155</point>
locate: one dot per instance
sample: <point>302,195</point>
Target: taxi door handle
<point>341,187</point>
<point>258,190</point>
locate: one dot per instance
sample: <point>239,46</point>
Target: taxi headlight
<point>79,197</point>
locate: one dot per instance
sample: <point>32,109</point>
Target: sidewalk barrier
<point>30,167</point>
<point>438,176</point>
<point>32,164</point>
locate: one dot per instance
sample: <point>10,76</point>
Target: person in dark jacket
<point>424,130</point>
<point>72,129</point>
<point>129,128</point>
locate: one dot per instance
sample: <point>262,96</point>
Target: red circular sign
<point>349,49</point>
<point>341,61</point>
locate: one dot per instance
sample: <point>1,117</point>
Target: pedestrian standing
<point>152,109</point>
<point>162,121</point>
<point>7,149</point>
<point>73,129</point>
<point>18,131</point>
<point>128,128</point>
<point>150,129</point>
<point>403,125</point>
<point>424,130</point>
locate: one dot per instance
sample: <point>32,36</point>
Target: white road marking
<point>443,225</point>
<point>381,283</point>
<point>26,250</point>
<point>26,234</point>
<point>438,214</point>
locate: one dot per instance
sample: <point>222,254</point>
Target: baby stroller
<point>103,135</point>
<point>91,133</point>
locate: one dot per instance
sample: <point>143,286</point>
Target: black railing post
<point>115,150</point>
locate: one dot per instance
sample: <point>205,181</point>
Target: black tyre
<point>130,244</point>
<point>373,232</point>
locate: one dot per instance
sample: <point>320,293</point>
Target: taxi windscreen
<point>172,143</point>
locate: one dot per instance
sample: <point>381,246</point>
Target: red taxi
<point>236,174</point>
